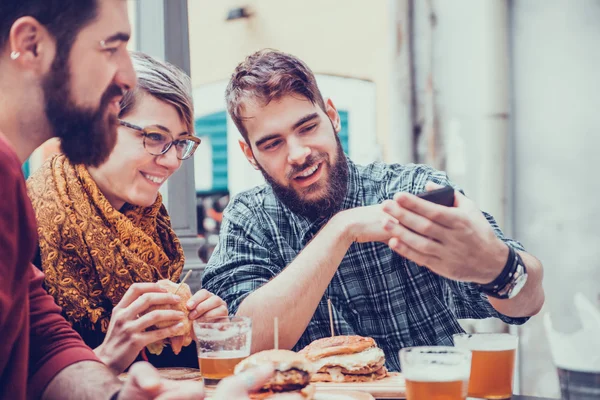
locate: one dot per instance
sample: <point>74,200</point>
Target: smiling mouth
<point>154,179</point>
<point>307,173</point>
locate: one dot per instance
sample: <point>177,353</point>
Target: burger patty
<point>285,381</point>
<point>366,369</point>
<point>335,375</point>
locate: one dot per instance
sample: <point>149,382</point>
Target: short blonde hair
<point>163,81</point>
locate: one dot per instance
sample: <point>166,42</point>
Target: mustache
<point>310,160</point>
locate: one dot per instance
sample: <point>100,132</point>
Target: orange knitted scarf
<point>91,253</point>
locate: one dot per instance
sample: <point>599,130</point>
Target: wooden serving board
<point>323,395</point>
<point>342,395</point>
<point>392,387</point>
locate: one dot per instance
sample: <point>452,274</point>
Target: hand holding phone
<point>443,196</point>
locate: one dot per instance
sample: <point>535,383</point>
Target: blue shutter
<point>343,134</point>
<point>215,127</point>
<point>26,170</point>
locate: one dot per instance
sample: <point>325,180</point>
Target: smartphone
<point>443,196</point>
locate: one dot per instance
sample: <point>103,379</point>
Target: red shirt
<point>35,340</point>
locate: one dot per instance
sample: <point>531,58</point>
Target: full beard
<point>87,135</point>
<point>327,204</point>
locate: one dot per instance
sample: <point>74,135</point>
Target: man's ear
<point>248,153</point>
<point>333,115</point>
<point>31,45</point>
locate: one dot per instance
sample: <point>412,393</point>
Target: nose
<point>126,77</point>
<point>169,160</point>
<point>297,152</point>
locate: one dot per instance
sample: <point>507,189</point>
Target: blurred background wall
<point>555,124</point>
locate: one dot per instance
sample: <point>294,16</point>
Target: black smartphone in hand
<point>443,196</point>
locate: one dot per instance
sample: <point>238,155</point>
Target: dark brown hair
<point>265,76</point>
<point>63,18</point>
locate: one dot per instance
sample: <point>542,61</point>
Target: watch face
<point>517,286</point>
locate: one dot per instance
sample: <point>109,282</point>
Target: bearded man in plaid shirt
<point>397,268</point>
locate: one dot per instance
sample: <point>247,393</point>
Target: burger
<point>183,336</point>
<point>292,373</point>
<point>346,359</point>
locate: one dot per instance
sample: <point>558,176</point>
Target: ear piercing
<point>14,55</point>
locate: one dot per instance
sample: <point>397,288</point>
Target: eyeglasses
<point>157,141</point>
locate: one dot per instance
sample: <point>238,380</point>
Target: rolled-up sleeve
<point>54,345</point>
<point>242,261</point>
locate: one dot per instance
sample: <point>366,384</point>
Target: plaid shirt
<point>375,292</point>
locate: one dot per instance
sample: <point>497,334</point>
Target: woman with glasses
<point>105,236</point>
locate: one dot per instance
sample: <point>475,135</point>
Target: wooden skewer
<point>182,281</point>
<point>330,317</point>
<point>276,333</point>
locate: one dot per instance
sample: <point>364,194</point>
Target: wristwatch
<point>510,281</point>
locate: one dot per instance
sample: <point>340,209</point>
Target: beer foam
<point>486,342</point>
<point>215,335</point>
<point>437,373</point>
<point>224,354</point>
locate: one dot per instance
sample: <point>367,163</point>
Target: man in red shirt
<point>63,69</point>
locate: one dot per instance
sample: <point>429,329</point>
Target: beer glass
<point>222,343</point>
<point>493,363</point>
<point>435,373</point>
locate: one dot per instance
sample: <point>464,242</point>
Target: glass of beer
<point>222,342</point>
<point>435,372</point>
<point>493,364</point>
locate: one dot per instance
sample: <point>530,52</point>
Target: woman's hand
<point>127,335</point>
<point>204,305</point>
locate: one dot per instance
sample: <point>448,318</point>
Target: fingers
<point>408,252</point>
<point>136,290</point>
<point>238,386</point>
<point>414,240</point>
<point>212,303</point>
<point>220,311</point>
<point>145,338</point>
<point>412,221</point>
<point>442,215</point>
<point>155,317</point>
<point>142,303</point>
<point>144,382</point>
<point>141,377</point>
<point>197,298</point>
